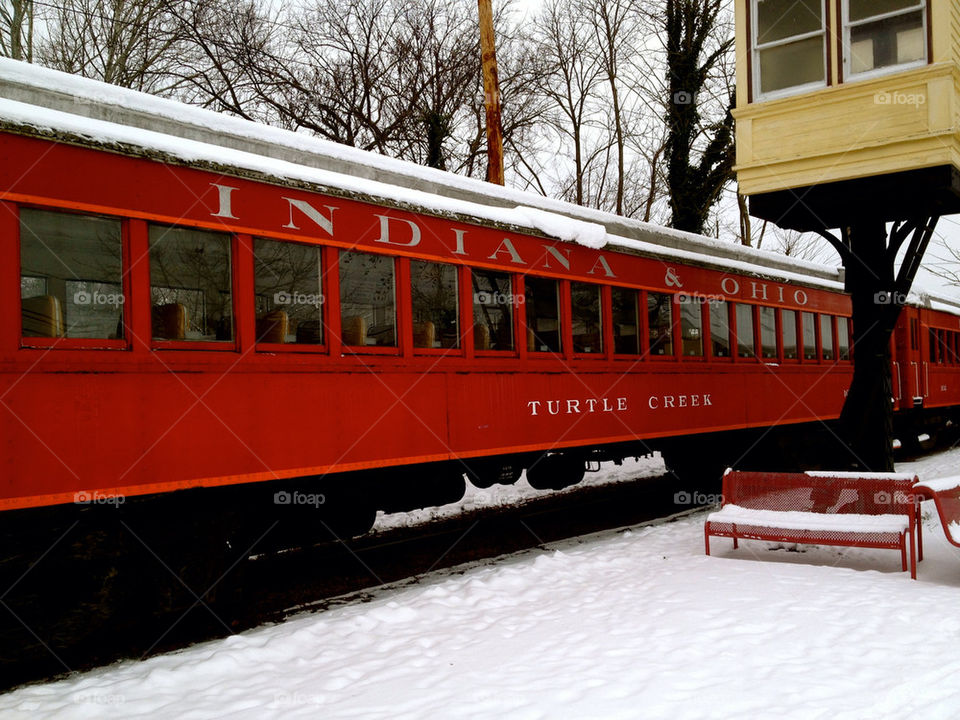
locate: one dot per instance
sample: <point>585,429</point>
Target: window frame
<point>399,318</point>
<point>757,94</point>
<point>923,6</point>
<point>518,320</point>
<point>646,350</point>
<point>232,345</point>
<point>641,328</point>
<point>703,316</point>
<point>67,343</point>
<point>564,328</point>
<point>708,310</point>
<point>840,334</point>
<point>602,314</point>
<point>459,350</point>
<point>755,332</point>
<point>326,252</point>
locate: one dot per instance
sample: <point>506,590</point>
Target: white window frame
<point>848,75</point>
<point>756,48</point>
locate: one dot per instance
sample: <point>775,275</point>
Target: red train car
<point>176,327</point>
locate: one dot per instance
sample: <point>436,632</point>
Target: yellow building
<point>848,107</point>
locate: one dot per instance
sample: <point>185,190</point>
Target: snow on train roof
<point>45,99</point>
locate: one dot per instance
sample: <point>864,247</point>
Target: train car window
<point>691,326</point>
<point>493,302</point>
<point>768,332</point>
<point>826,336</point>
<point>942,337</point>
<point>746,346</point>
<point>368,308</point>
<point>809,336</point>
<point>433,289</point>
<point>626,321</point>
<point>932,341</point>
<point>660,323</point>
<point>543,314</point>
<point>190,284</point>
<point>288,292</point>
<point>70,275</point>
<point>586,316</point>
<point>843,339</point>
<point>788,322</point>
<point>914,334</point>
<point>719,328</point>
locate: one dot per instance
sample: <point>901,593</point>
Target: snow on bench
<point>875,510</point>
<point>812,521</point>
<point>945,492</point>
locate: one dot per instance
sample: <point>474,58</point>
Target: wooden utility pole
<point>491,92</point>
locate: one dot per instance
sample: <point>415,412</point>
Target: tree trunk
<point>867,416</point>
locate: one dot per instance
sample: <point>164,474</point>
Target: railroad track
<point>267,587</point>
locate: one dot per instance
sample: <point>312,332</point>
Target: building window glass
<point>288,290</point>
<point>626,321</point>
<point>809,336</point>
<point>70,275</point>
<point>543,314</point>
<point>883,33</point>
<point>586,318</point>
<point>746,346</point>
<point>660,322</point>
<point>190,284</point>
<point>788,42</point>
<point>719,328</point>
<point>768,332</point>
<point>691,327</point>
<point>826,336</point>
<point>368,309</point>
<point>433,288</point>
<point>493,302</point>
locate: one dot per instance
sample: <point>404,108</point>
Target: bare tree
<point>569,78</point>
<point>16,29</point>
<point>132,43</point>
<point>234,60</point>
<point>613,24</point>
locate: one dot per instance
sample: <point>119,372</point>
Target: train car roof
<point>48,103</point>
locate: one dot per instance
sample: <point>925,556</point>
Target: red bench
<point>871,510</point>
<point>946,495</point>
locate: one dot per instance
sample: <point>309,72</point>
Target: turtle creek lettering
<point>661,402</point>
<point>576,406</point>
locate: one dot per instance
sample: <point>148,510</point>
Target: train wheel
<point>487,473</point>
<point>555,472</point>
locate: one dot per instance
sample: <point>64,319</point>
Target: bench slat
<point>796,520</point>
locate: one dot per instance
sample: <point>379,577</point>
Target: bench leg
<point>903,552</point>
<point>735,544</point>
<point>706,537</point>
<point>919,535</point>
<point>914,537</point>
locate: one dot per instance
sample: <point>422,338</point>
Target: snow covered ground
<point>634,623</point>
